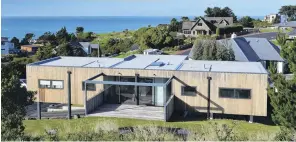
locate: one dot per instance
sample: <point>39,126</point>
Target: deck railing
<point>169,108</point>
<point>94,102</point>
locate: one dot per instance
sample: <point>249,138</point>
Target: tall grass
<point>107,130</point>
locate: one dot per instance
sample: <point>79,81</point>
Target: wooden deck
<point>129,111</point>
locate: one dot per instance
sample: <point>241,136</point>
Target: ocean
<point>19,26</point>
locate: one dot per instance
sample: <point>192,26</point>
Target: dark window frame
<point>183,91</point>
<point>83,89</point>
<point>57,80</point>
<point>234,89</point>
<point>39,86</point>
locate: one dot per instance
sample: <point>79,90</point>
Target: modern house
<point>253,50</point>
<point>151,86</point>
<point>271,17</point>
<point>6,46</point>
<point>86,46</point>
<point>205,26</point>
<point>31,48</point>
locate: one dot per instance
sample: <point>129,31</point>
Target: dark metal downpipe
<point>137,89</point>
<point>69,94</point>
<point>209,97</point>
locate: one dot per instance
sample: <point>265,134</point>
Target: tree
<point>64,50</point>
<point>288,52</point>
<point>283,95</point>
<point>14,99</point>
<point>174,25</point>
<point>62,36</point>
<point>289,10</point>
<point>276,20</point>
<point>79,30</point>
<point>283,101</point>
<point>184,18</point>
<point>228,12</point>
<point>246,21</point>
<point>156,38</point>
<point>209,49</point>
<point>24,41</point>
<point>48,38</point>
<point>16,42</point>
<point>27,38</point>
<point>281,39</point>
<point>218,12</point>
<point>45,52</point>
<point>196,18</point>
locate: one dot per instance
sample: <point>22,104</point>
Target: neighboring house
<point>152,86</point>
<point>86,46</point>
<point>152,52</point>
<point>205,26</point>
<point>6,46</point>
<point>254,50</point>
<point>31,48</point>
<point>270,18</point>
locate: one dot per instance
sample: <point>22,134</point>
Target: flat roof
<point>223,66</point>
<point>155,62</point>
<point>80,62</point>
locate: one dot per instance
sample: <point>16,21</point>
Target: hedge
<point>229,30</point>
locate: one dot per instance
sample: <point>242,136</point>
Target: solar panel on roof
<point>157,64</point>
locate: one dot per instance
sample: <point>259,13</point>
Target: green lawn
<point>266,30</point>
<point>38,127</point>
<point>105,36</point>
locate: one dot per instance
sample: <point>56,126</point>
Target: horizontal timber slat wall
<point>257,105</point>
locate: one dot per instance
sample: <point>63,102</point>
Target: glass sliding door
<point>145,92</point>
<point>125,94</point>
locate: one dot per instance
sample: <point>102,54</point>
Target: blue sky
<point>136,7</point>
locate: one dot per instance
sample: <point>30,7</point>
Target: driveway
<point>268,36</point>
<point>184,52</point>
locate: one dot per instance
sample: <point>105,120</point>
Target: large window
<point>189,90</point>
<point>187,32</point>
<point>89,86</point>
<point>44,83</point>
<point>57,84</point>
<point>235,93</point>
<point>51,84</point>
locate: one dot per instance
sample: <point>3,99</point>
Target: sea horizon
<point>18,26</point>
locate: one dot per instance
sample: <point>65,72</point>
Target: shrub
<point>150,133</point>
<point>107,126</point>
<point>285,135</point>
<point>229,30</point>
